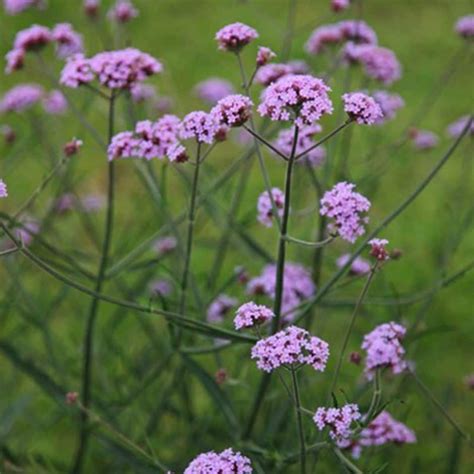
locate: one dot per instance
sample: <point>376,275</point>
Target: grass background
<point>41,322</point>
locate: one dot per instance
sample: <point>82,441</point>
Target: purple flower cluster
<point>13,7</point>
<point>142,92</point>
<point>3,189</point>
<point>33,38</point>
<point>303,96</point>
<point>225,462</point>
<point>91,8</point>
<point>122,12</point>
<point>338,420</point>
<point>297,286</point>
<point>250,314</point>
<point>379,63</point>
<point>165,245</point>
<point>265,208</point>
<point>68,41</point>
<point>55,103</point>
<point>284,143</point>
<point>270,73</point>
<point>465,26</point>
<point>345,206</point>
<point>161,287</point>
<point>455,129</point>
<point>199,125</point>
<point>120,69</point>
<point>213,89</point>
<point>158,139</point>
<point>233,110</point>
<point>264,55</point>
<point>340,5</point>
<point>362,108</point>
<point>378,250</point>
<point>423,139</point>
<point>358,267</point>
<point>336,33</point>
<point>384,349</point>
<point>235,36</point>
<point>291,346</point>
<point>219,308</point>
<point>389,104</point>
<point>21,97</point>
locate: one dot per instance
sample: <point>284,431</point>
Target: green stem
<point>320,244</point>
<point>375,402</point>
<point>93,310</point>
<point>349,464</point>
<point>299,419</point>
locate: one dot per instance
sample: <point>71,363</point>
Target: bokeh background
<point>42,321</point>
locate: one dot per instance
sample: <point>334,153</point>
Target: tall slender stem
<point>93,309</point>
<point>299,420</point>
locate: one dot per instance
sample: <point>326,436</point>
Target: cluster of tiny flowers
<point>384,349</point>
<point>199,125</point>
<point>264,55</point>
<point>71,148</point>
<point>389,104</point>
<point>235,36</point>
<point>297,286</point>
<point>13,7</point>
<point>233,110</point>
<point>456,128</point>
<point>219,308</point>
<point>225,462</point>
<point>21,97</point>
<point>465,26</point>
<point>378,250</point>
<point>348,30</point>
<point>91,7</point>
<point>338,420</point>
<point>165,245</point>
<point>306,96</point>
<point>161,287</point>
<point>68,41</point>
<point>379,63</point>
<point>250,314</point>
<point>345,206</point>
<point>284,143</point>
<point>340,5</point>
<point>265,208</point>
<point>114,69</point>
<point>213,89</point>
<point>271,73</point>
<point>362,108</point>
<point>358,267</point>
<point>55,103</point>
<point>158,139</point>
<point>423,139</point>
<point>3,189</point>
<point>292,345</point>
<point>142,92</point>
<point>122,12</point>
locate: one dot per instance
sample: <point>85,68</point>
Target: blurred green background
<point>42,322</point>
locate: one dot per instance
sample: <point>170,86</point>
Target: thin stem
<point>265,142</point>
<point>299,419</point>
<point>322,243</point>
<point>93,310</point>
<point>349,329</point>
<point>349,464</point>
<point>376,396</point>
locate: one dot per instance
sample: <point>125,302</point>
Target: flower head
<point>165,245</point>
<point>358,267</point>
<point>338,420</point>
<point>122,12</point>
<point>357,31</point>
<point>142,92</point>
<point>377,249</point>
<point>21,97</point>
<point>15,60</point>
<point>235,36</point>
<point>55,103</point>
<point>423,139</point>
<point>219,308</point>
<point>161,287</point>
<point>13,7</point>
<point>91,8</point>
<point>303,98</point>
<point>199,125</point>
<point>362,108</point>
<point>3,189</point>
<point>33,38</point>
<point>389,104</point>
<point>345,206</point>
<point>465,26</point>
<point>71,148</point>
<point>213,89</point>
<point>68,41</point>
<point>292,345</point>
<point>250,314</point>
<point>225,462</point>
<point>233,110</point>
<point>384,349</point>
<point>265,208</point>
<point>264,55</point>
<point>379,63</point>
<point>455,129</point>
<point>340,5</point>
<point>77,71</point>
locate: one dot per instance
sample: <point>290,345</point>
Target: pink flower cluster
<point>68,41</point>
<point>250,314</point>
<point>122,12</point>
<point>158,139</point>
<point>120,69</point>
<point>272,72</point>
<point>213,89</point>
<point>384,349</point>
<point>264,55</point>
<point>165,245</point>
<point>345,206</point>
<point>3,189</point>
<point>55,103</point>
<point>199,125</point>
<point>301,98</point>
<point>423,139</point>
<point>336,33</point>
<point>338,420</point>
<point>297,286</point>
<point>291,346</point>
<point>265,208</point>
<point>284,143</point>
<point>362,108</point>
<point>219,308</point>
<point>225,462</point>
<point>465,26</point>
<point>455,129</point>
<point>378,250</point>
<point>233,110</point>
<point>358,267</point>
<point>21,97</point>
<point>389,104</point>
<point>13,7</point>
<point>91,8</point>
<point>235,36</point>
<point>340,5</point>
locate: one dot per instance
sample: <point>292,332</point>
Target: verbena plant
<point>220,371</point>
